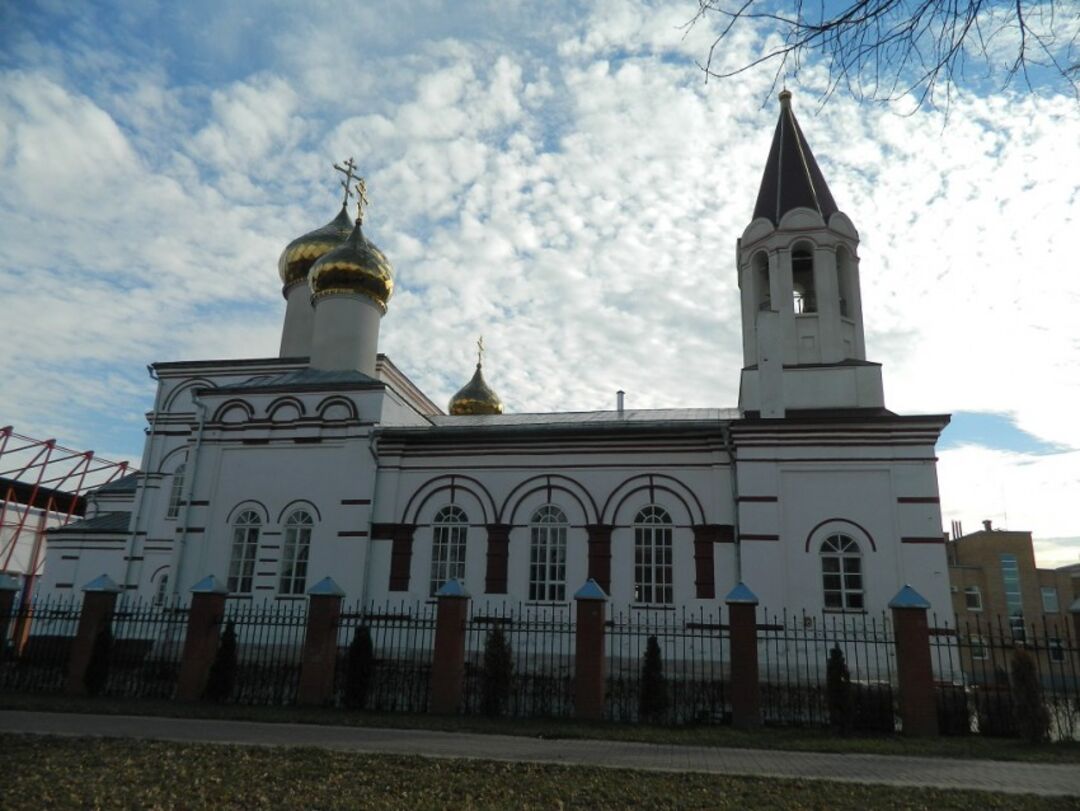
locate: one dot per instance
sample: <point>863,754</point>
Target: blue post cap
<point>452,588</point>
<point>907,597</point>
<point>326,588</point>
<point>741,595</point>
<point>209,585</point>
<point>590,591</point>
<point>102,583</point>
<point>9,582</point>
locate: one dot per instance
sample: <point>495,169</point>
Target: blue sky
<point>557,177</point>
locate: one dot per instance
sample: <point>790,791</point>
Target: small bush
<point>496,674</point>
<point>838,692</point>
<point>359,668</point>
<point>872,708</point>
<point>1029,711</point>
<point>222,677</point>
<point>993,708</point>
<point>653,700</point>
<point>954,715</point>
<point>97,669</point>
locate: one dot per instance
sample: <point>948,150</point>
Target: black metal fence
<point>981,689</point>
<point>540,642</point>
<point>35,645</point>
<point>394,674</point>
<point>147,643</point>
<point>269,647</point>
<point>692,650</point>
<point>793,654</point>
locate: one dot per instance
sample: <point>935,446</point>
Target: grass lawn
<point>47,772</point>
<point>812,740</point>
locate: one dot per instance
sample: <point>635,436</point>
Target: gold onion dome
<point>475,397</point>
<point>355,266</point>
<point>300,254</point>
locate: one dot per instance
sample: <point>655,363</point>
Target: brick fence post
<point>99,602</point>
<point>589,651</point>
<point>201,640</point>
<point>9,585</point>
<point>918,701</point>
<point>320,643</point>
<point>1074,609</point>
<point>745,689</point>
<point>448,661</point>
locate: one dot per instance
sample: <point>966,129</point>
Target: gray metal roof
<point>106,523</point>
<point>637,416</point>
<point>302,378</point>
<point>125,484</point>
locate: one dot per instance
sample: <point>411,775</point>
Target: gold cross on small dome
<point>346,184</point>
<point>480,350</point>
<point>361,199</point>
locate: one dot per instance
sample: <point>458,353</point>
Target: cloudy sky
<point>557,177</point>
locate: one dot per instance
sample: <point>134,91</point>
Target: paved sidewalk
<point>1019,778</point>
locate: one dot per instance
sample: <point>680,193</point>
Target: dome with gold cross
<point>476,397</point>
<point>355,266</point>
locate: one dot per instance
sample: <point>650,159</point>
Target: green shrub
<point>497,673</point>
<point>97,669</point>
<point>359,668</point>
<point>653,700</point>
<point>838,692</point>
<point>872,708</point>
<point>954,715</point>
<point>222,677</point>
<point>1029,711</point>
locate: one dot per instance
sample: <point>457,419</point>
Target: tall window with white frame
<point>176,491</point>
<point>652,556</point>
<point>841,573</point>
<point>244,548</point>
<point>449,532</point>
<point>547,554</point>
<point>1014,604</point>
<point>294,558</point>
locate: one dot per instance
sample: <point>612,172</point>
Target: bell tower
<point>802,322</point>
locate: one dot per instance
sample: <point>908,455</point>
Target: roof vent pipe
<point>620,400</point>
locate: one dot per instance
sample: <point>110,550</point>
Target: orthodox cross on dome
<point>350,175</point>
<point>480,350</point>
<point>361,199</point>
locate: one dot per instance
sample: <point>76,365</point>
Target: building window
<point>161,593</point>
<point>294,559</point>
<point>652,556</point>
<point>841,571</point>
<point>547,554</point>
<point>451,526</point>
<point>1050,600</point>
<point>802,279</point>
<point>244,547</point>
<point>973,598</point>
<point>978,647</point>
<point>176,492</point>
<point>1056,649</point>
<point>1010,577</point>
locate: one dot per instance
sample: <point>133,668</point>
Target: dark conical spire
<point>792,177</point>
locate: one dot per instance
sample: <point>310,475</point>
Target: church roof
<point>307,379</point>
<point>107,523</point>
<point>637,416</point>
<point>792,178</point>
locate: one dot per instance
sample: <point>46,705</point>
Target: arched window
<point>652,556</point>
<point>294,559</point>
<point>802,280</point>
<point>449,531</point>
<point>841,572</point>
<point>547,554</point>
<point>244,547</point>
<point>176,492</point>
<point>845,272</point>
<point>161,590</point>
<point>762,294</point>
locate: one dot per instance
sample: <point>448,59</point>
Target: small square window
<point>1056,649</point>
<point>978,647</point>
<point>973,598</point>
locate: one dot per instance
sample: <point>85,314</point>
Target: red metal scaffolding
<point>43,485</point>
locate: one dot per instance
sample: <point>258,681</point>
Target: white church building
<point>273,473</point>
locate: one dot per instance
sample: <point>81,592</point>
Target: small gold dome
<point>475,397</point>
<point>356,266</point>
<point>300,254</point>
